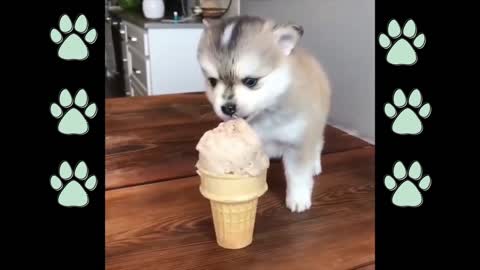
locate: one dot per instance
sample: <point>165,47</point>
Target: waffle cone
<point>233,202</point>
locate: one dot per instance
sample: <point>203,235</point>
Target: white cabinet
<point>162,60</point>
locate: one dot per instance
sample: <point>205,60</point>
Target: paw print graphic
<point>407,186</point>
<point>408,120</point>
<point>72,112</point>
<point>72,184</point>
<point>73,38</point>
<point>402,43</point>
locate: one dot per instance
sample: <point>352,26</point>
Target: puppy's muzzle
<point>229,109</point>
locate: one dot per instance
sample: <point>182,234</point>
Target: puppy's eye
<point>212,81</point>
<point>250,82</point>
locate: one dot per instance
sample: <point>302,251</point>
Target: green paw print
<point>402,52</point>
<point>408,193</point>
<point>407,122</point>
<point>73,194</point>
<point>73,122</point>
<point>73,47</point>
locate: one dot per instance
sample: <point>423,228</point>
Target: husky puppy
<point>255,70</point>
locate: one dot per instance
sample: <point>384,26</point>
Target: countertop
<point>139,20</point>
<point>156,217</point>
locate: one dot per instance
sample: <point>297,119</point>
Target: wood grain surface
<point>156,217</point>
<point>156,140</point>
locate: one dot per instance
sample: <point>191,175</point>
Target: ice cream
<point>232,148</point>
<point>233,171</point>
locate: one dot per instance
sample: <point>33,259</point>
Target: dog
<point>255,69</point>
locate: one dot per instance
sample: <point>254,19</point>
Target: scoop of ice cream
<point>232,147</point>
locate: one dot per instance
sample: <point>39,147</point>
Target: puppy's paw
<point>299,200</point>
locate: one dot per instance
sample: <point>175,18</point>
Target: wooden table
<point>157,219</point>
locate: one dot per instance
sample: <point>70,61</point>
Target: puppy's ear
<point>287,36</point>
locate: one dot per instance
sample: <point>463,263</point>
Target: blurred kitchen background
<point>156,56</point>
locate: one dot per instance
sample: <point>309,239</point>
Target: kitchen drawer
<point>137,38</point>
<point>138,67</point>
<point>136,89</point>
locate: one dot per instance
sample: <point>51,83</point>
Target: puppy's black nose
<point>229,109</point>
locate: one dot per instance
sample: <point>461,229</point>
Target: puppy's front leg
<point>298,172</point>
<point>318,157</point>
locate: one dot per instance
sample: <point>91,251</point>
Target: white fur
<point>227,34</point>
<point>209,68</point>
<point>247,65</point>
<point>299,181</point>
<point>250,102</point>
<point>274,129</point>
<point>281,139</point>
<point>318,162</point>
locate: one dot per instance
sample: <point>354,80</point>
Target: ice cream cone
<point>233,201</point>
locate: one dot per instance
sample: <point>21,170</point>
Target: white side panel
<point>173,60</point>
